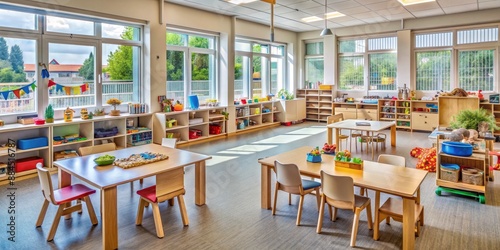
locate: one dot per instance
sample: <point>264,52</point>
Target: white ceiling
<point>289,12</point>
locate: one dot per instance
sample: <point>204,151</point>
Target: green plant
<point>470,119</point>
<point>49,112</point>
<point>284,94</point>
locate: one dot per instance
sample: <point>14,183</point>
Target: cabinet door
<point>367,114</point>
<point>301,109</point>
<point>423,121</point>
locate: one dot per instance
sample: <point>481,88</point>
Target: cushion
<point>148,193</point>
<point>426,158</point>
<point>307,184</point>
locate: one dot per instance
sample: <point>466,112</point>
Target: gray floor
<point>233,219</point>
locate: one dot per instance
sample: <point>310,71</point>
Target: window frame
<point>315,56</point>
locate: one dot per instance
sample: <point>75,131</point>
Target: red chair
<point>62,198</point>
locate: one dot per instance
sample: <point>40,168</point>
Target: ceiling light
<point>333,15</point>
<point>411,2</point>
<point>241,1</point>
<point>311,19</point>
<point>326,31</point>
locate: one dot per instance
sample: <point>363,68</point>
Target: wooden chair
<point>393,207</point>
<point>338,192</point>
<point>161,192</point>
<point>169,142</point>
<point>288,179</point>
<point>96,149</point>
<point>337,118</point>
<point>62,198</point>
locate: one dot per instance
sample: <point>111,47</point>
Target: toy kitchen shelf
<point>190,125</point>
<point>479,160</point>
<point>71,136</point>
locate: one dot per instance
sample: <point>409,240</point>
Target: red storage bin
<point>215,129</point>
<point>27,163</point>
<point>194,133</point>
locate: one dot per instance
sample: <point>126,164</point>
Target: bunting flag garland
<point>77,90</point>
<point>19,91</point>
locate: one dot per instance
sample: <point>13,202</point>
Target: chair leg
<point>275,198</point>
<point>355,223</point>
<point>318,198</point>
<point>289,199</point>
<point>182,207</point>
<point>320,215</point>
<point>157,218</point>
<point>330,212</point>
<point>78,202</point>
<point>91,211</point>
<point>422,217</point>
<point>369,215</point>
<point>41,216</point>
<point>55,223</point>
<point>141,181</point>
<point>299,213</point>
<point>388,220</point>
<point>171,202</point>
<point>140,211</point>
<point>334,218</point>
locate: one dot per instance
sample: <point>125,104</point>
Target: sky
<point>63,53</point>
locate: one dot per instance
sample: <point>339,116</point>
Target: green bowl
<point>104,162</point>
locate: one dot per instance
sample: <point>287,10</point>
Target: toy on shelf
<point>178,106</point>
<point>68,115</point>
<point>137,108</point>
<point>114,102</point>
<point>49,114</point>
<point>99,112</point>
<point>84,114</point>
<point>103,132</point>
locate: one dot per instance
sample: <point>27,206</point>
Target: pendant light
<point>326,31</point>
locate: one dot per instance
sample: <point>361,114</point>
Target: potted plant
<point>472,118</point>
<point>285,95</point>
<point>114,102</point>
<point>49,114</point>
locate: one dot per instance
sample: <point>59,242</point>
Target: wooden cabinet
<point>318,103</point>
<point>64,136</point>
<point>450,105</point>
<point>349,110</point>
<point>477,160</point>
<point>258,115</point>
<point>367,112</point>
<point>424,115</point>
<point>294,110</point>
<point>190,125</point>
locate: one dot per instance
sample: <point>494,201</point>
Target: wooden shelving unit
<point>82,128</point>
<point>258,115</point>
<point>424,115</point>
<point>318,103</point>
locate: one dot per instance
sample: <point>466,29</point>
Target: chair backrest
<point>392,159</point>
<point>169,142</point>
<point>339,190</point>
<point>97,149</point>
<point>287,174</point>
<point>335,118</point>
<point>45,183</point>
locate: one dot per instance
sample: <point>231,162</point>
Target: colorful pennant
<point>19,91</point>
<point>77,90</point>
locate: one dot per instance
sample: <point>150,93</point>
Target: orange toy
<point>426,158</point>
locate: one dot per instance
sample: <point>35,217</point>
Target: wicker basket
<point>449,174</point>
<point>473,176</point>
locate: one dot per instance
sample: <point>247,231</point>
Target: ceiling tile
<point>489,5</point>
<point>262,6</point>
<point>343,5</point>
<point>400,16</point>
<point>317,11</point>
<point>448,3</point>
<point>425,13</point>
<point>422,6</point>
<point>377,19</point>
<point>297,15</point>
<point>365,15</point>
<point>460,8</point>
<point>280,9</point>
<point>305,5</point>
<point>355,10</point>
<point>384,5</point>
<point>353,22</point>
<point>365,2</point>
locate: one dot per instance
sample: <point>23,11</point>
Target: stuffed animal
<point>454,92</point>
<point>456,136</point>
<point>473,135</point>
<point>463,132</point>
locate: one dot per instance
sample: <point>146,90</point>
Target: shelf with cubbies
<point>258,115</point>
<point>318,103</point>
<point>478,160</point>
<point>403,114</point>
<point>69,136</point>
<point>387,110</point>
<point>190,125</point>
<point>494,109</point>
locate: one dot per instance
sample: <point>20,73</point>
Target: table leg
<point>265,187</point>
<point>64,181</point>
<point>109,219</point>
<point>377,216</point>
<point>329,137</point>
<point>408,223</point>
<point>393,135</point>
<point>337,137</point>
<point>200,183</point>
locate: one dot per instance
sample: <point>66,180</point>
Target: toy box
<point>27,163</point>
<point>214,129</point>
<point>35,142</point>
<point>194,134</point>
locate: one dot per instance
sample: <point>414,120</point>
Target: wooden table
<point>395,180</point>
<point>107,178</point>
<point>375,126</point>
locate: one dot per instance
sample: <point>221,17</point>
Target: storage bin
<point>35,142</point>
<point>449,172</point>
<point>27,163</point>
<point>473,176</point>
<point>457,148</point>
<point>194,133</point>
<point>214,129</point>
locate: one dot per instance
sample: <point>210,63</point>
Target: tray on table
<point>136,160</point>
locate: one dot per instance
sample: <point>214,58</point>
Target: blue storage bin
<point>457,148</point>
<point>30,143</point>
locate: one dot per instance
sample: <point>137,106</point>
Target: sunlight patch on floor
<point>308,131</point>
<point>282,139</point>
<point>216,159</point>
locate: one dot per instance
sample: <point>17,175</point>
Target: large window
<point>259,69</point>
<point>468,62</point>
<point>314,63</point>
<point>379,54</point>
<point>69,48</point>
<point>191,67</point>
